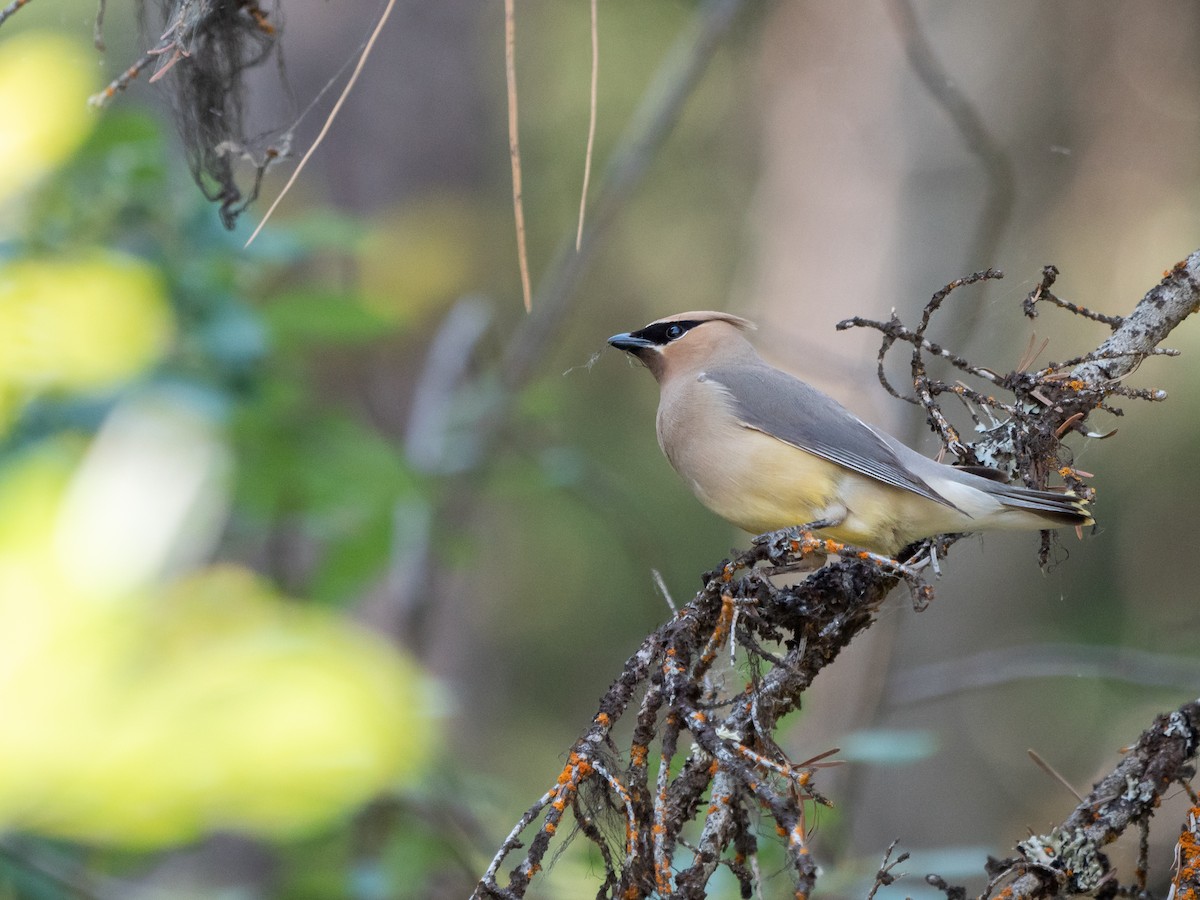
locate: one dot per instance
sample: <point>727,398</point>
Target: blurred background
<point>315,555</point>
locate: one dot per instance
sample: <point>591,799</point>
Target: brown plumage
<point>764,450</point>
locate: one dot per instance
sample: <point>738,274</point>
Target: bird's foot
<point>794,549</point>
<point>791,548</point>
<point>908,572</point>
<point>925,557</point>
<point>927,553</point>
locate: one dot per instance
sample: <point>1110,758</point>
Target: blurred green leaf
<point>300,317</point>
<point>327,473</point>
<point>352,557</point>
<point>324,464</point>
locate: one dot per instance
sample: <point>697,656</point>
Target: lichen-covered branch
<point>731,756</point>
<point>1068,859</point>
<point>1164,307</point>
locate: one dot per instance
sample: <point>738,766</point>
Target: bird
<point>767,451</point>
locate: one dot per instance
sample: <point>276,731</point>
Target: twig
<point>591,138</point>
<point>1053,773</point>
<point>925,388</point>
<point>1042,292</point>
<point>98,26</point>
<point>886,874</point>
<point>337,107</point>
<point>11,9</point>
<point>122,81</point>
<point>651,123</point>
<point>895,331</point>
<point>514,147</point>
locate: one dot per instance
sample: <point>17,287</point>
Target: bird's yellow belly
<point>763,484</point>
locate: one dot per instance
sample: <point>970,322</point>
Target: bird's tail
<point>1058,507</point>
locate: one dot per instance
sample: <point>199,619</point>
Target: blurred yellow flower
<point>85,323</point>
<point>45,80</point>
<point>151,717</point>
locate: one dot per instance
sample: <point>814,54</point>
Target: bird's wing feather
<point>789,410</point>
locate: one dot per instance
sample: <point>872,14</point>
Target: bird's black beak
<point>626,341</point>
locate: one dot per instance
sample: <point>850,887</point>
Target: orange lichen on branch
<point>670,667</point>
<point>805,544</point>
<point>574,772</point>
<point>1185,885</point>
<point>259,16</point>
<point>784,769</point>
<point>662,881</point>
<point>121,82</point>
<point>566,774</point>
<point>797,839</point>
<point>567,784</point>
<point>720,632</point>
<point>530,868</point>
<point>584,767</point>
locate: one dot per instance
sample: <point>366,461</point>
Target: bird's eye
<point>674,332</point>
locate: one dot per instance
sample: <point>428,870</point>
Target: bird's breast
<point>749,478</point>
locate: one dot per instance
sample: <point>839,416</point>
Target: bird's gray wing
<point>786,408</point>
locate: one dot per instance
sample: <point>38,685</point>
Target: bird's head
<point>683,341</point>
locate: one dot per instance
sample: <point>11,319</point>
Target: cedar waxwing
<point>766,451</point>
